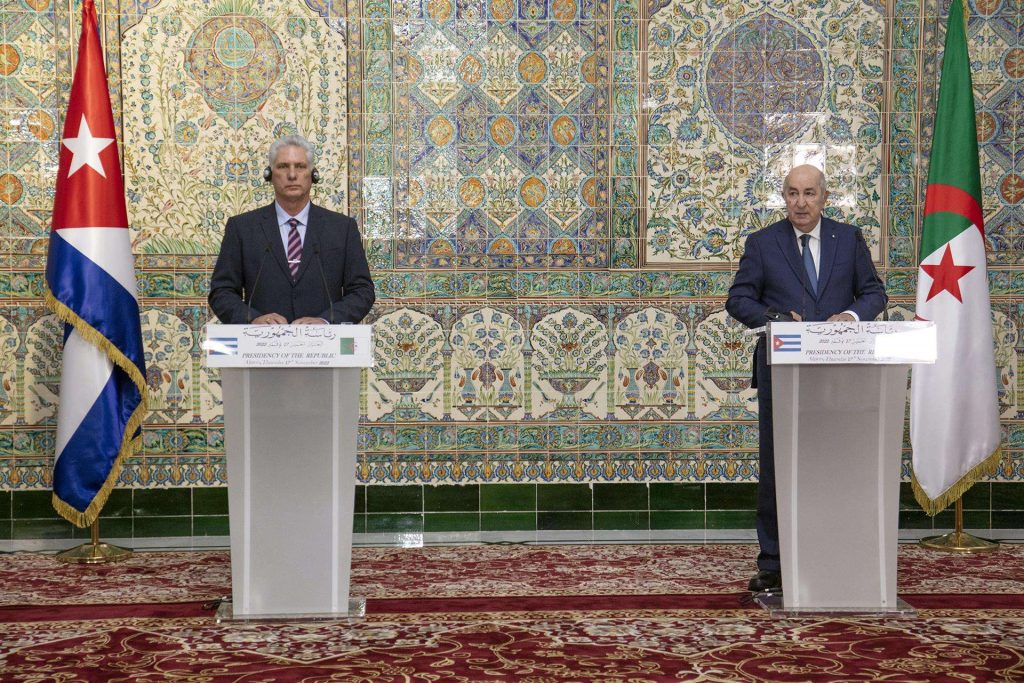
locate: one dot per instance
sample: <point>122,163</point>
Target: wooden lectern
<point>291,418</point>
<point>839,394</point>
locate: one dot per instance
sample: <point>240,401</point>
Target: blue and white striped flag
<point>90,281</point>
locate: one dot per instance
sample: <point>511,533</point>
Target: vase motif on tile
<point>487,358</point>
<point>650,357</point>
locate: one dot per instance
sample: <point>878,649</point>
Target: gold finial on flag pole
<point>958,540</point>
<point>94,552</point>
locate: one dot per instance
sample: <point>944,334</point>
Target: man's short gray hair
<point>290,141</point>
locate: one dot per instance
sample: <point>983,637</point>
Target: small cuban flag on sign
<point>786,342</point>
<point>222,346</point>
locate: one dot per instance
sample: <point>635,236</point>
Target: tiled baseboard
<point>203,512</point>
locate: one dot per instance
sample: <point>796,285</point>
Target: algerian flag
<point>954,419</point>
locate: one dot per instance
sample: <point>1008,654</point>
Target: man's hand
<point>270,319</point>
<point>309,321</point>
<point>842,317</point>
<point>795,316</point>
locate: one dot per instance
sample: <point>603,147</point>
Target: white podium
<point>839,394</point>
<point>291,416</point>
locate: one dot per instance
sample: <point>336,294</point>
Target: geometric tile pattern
<point>553,193</point>
<point>737,98</point>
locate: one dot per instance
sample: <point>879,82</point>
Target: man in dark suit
<point>292,261</point>
<point>806,267</point>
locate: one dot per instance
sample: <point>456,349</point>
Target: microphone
<point>323,278</point>
<point>874,271</point>
<point>252,290</point>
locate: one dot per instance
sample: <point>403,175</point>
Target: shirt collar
<point>283,216</point>
<point>815,234</point>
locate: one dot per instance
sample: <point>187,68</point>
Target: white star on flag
<point>85,149</point>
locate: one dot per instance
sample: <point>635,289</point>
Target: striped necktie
<point>294,247</point>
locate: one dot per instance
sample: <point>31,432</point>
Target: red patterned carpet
<point>535,614</point>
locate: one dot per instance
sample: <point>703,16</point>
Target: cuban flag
<point>90,281</point>
<point>786,342</point>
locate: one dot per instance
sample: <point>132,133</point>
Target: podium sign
<point>839,392</point>
<point>291,418</point>
<point>852,343</point>
<point>288,346</point>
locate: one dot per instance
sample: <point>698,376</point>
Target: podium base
<point>356,610</point>
<point>959,542</point>
<point>774,603</point>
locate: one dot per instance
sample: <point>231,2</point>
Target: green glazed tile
<point>451,521</point>
<point>41,528</point>
<point>5,505</point>
<point>211,525</point>
<point>620,497</point>
<point>731,519</point>
<point>359,523</point>
<point>6,529</point>
<point>148,527</point>
<point>393,523</point>
<point>394,499</point>
<point>1007,496</point>
<point>210,501</point>
<point>161,503</point>
<point>33,505</point>
<point>978,497</point>
<point>907,500</point>
<point>501,497</point>
<point>559,521</point>
<point>915,519</point>
<point>671,496</point>
<point>110,527</point>
<point>726,496</point>
<point>664,519</point>
<point>451,498</point>
<point>508,521</point>
<point>359,505</point>
<point>119,505</point>
<point>564,497</point>
<point>1008,519</point>
<point>638,520</point>
<point>945,520</point>
<point>977,519</point>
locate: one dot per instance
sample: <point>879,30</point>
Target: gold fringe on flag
<point>933,506</point>
<point>129,442</point>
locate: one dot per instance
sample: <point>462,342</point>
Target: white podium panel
<point>838,427</point>
<point>290,437</point>
<point>838,435</point>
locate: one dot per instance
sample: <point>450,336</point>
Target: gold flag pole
<point>94,552</point>
<point>958,540</point>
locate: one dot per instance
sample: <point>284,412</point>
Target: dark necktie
<point>812,274</point>
<point>294,247</point>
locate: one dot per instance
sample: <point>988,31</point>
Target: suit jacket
<point>771,275</point>
<point>252,278</point>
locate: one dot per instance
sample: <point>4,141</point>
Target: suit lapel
<point>790,248</point>
<point>272,233</point>
<point>827,258</point>
<point>311,243</point>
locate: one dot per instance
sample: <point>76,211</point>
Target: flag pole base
<point>94,553</point>
<point>959,542</point>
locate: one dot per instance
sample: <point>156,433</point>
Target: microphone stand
<point>323,278</point>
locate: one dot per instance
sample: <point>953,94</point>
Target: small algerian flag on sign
<point>954,416</point>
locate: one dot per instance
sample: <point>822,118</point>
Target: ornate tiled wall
<point>554,195</point>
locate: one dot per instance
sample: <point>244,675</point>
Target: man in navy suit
<point>292,261</point>
<point>833,280</point>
